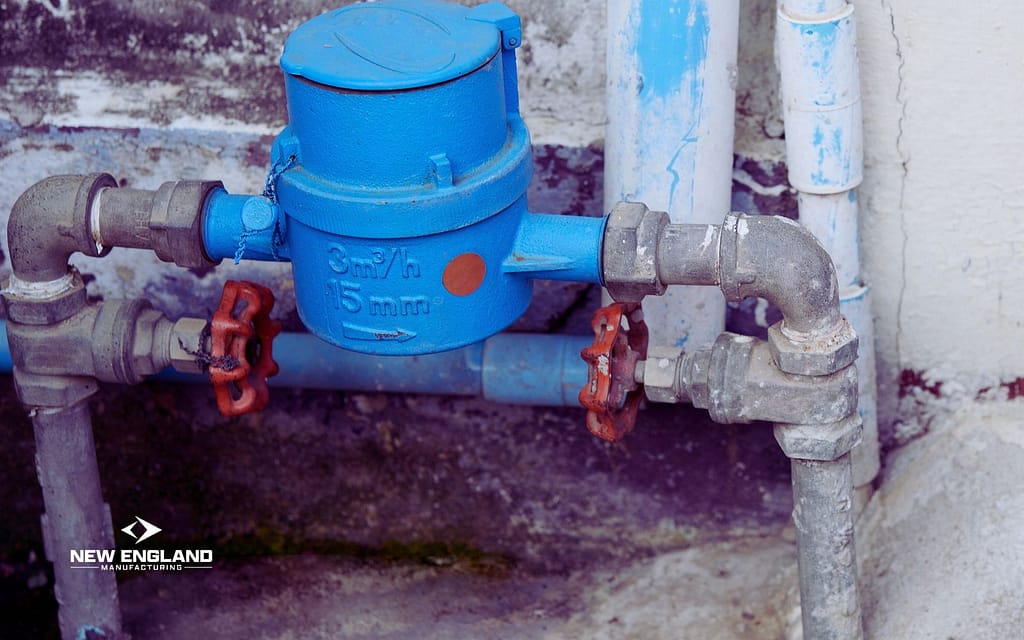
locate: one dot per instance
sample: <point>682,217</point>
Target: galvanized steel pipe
<point>76,518</point>
<point>826,554</point>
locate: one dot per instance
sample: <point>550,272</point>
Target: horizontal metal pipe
<point>121,218</point>
<point>688,253</point>
<point>514,368</point>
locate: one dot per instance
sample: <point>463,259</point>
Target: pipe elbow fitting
<point>49,222</point>
<point>777,259</point>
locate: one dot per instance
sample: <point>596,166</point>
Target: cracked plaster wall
<point>943,216</point>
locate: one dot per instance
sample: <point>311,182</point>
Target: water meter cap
<point>390,45</point>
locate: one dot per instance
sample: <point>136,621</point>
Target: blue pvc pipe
<point>513,368</point>
<point>538,369</point>
<point>558,247</point>
<point>6,364</point>
<point>224,227</point>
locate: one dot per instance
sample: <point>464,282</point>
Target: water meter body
<point>399,185</point>
<point>409,176</point>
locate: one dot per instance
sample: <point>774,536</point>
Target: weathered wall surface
<point>942,224</point>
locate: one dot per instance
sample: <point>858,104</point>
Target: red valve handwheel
<point>612,396</point>
<point>241,348</point>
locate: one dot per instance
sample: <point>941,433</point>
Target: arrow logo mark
<point>355,332</point>
<point>149,530</point>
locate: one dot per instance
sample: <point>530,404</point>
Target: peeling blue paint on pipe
<point>671,51</point>
<point>822,110</point>
<point>673,43</point>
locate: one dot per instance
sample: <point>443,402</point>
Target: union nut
<point>629,252</point>
<point>815,356</point>
<point>175,222</point>
<point>822,442</point>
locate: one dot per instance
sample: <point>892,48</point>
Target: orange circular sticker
<point>464,274</point>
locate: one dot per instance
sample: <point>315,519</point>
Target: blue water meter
<point>400,181</point>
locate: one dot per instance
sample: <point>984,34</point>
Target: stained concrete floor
<point>940,544</point>
<point>447,511</point>
<point>729,590</point>
<point>462,525</point>
<point>382,516</point>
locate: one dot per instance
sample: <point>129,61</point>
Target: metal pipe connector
<point>737,380</point>
<point>167,220</point>
<point>49,222</point>
<point>765,256</point>
<point>775,258</point>
<point>62,215</point>
<point>115,341</point>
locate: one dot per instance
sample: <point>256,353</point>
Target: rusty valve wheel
<point>612,396</point>
<point>241,348</point>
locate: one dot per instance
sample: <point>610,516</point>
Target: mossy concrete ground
<point>432,490</point>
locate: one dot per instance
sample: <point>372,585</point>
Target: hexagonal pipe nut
<point>49,310</point>
<point>661,374</point>
<point>630,250</point>
<point>822,442</point>
<point>52,391</point>
<point>815,356</point>
<point>187,345</point>
<point>175,222</point>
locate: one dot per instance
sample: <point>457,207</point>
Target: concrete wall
<point>942,226</point>
<point>183,88</point>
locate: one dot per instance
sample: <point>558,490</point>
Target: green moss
<point>266,541</point>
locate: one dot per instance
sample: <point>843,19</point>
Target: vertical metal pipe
<point>76,518</point>
<point>823,515</point>
<point>669,143</point>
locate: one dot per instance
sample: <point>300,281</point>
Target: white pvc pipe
<point>669,142</point>
<point>813,9</point>
<point>832,218</point>
<point>816,45</point>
